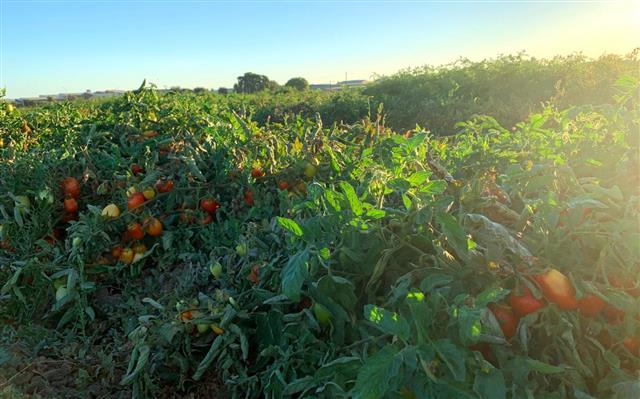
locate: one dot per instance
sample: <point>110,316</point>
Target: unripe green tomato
<point>103,188</point>
<point>202,328</point>
<point>216,269</point>
<point>322,314</point>
<point>46,196</point>
<point>22,201</point>
<point>9,108</point>
<point>59,282</point>
<point>310,170</point>
<point>76,242</point>
<point>61,292</point>
<point>241,249</point>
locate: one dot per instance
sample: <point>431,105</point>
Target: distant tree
<point>199,90</point>
<point>252,82</point>
<point>298,83</point>
<point>223,90</point>
<point>272,85</point>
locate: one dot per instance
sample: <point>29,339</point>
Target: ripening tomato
<point>187,216</point>
<point>136,169</point>
<point>67,217</point>
<point>135,232</point>
<point>248,198</point>
<point>209,205</point>
<point>70,205</point>
<point>253,276</point>
<point>591,305</point>
<point>149,134</point>
<point>186,315</point>
<point>139,248</point>
<point>256,173</point>
<point>614,315</point>
<point>557,288</point>
<point>149,193</point>
<point>153,227</point>
<point>283,185</point>
<point>135,201</point>
<point>116,251</point>
<point>524,304</point>
<point>164,185</point>
<point>71,187</point>
<point>207,219</point>
<point>126,256</point>
<point>111,211</point>
<point>507,320</point>
<point>632,344</point>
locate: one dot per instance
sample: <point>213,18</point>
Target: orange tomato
<point>590,305</point>
<point>67,217</point>
<point>526,303</point>
<point>614,315</point>
<point>153,227</point>
<point>139,249</point>
<point>207,219</point>
<point>283,185</point>
<point>253,276</point>
<point>557,288</point>
<point>135,201</point>
<point>71,187</point>
<point>70,205</point>
<point>116,251</point>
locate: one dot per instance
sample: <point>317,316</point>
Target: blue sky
<point>52,46</point>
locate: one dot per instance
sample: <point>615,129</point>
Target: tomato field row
<point>169,242</point>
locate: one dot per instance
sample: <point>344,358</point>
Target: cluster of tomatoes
<point>556,288</point>
<point>71,189</point>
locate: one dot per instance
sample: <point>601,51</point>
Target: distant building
<point>339,85</point>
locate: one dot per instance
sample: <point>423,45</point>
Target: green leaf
<point>452,356</point>
<point>294,273</point>
<point>352,198</point>
<point>289,225</point>
<point>142,359</point>
<point>434,187</point>
<point>455,234</point>
<point>375,376</point>
<point>204,364</point>
<point>418,178</point>
<point>490,385</point>
<point>375,214</point>
<point>543,368</point>
<point>387,321</point>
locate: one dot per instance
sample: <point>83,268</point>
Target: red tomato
<point>283,185</point>
<point>70,205</point>
<point>71,187</point>
<point>508,321</point>
<point>153,227</point>
<point>248,198</point>
<point>256,173</point>
<point>135,231</point>
<point>135,201</point>
<point>209,205</point>
<point>632,344</point>
<point>164,185</point>
<point>557,288</point>
<point>590,305</point>
<point>136,169</point>
<point>524,304</point>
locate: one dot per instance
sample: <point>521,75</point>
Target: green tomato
<point>310,170</point>
<point>46,196</point>
<point>22,201</point>
<point>241,249</point>
<point>322,314</point>
<point>216,269</point>
<point>202,328</point>
<point>59,282</point>
<point>61,292</point>
<point>76,242</point>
